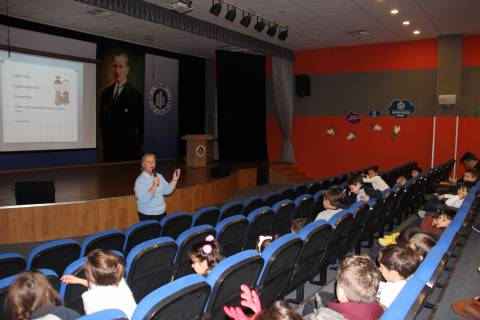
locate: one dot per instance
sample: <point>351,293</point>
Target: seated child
<point>377,182</point>
<point>470,176</point>
<point>451,201</point>
<point>297,224</point>
<point>107,288</point>
<point>354,191</point>
<point>332,199</point>
<point>397,263</point>
<point>401,181</point>
<point>357,285</point>
<point>421,243</point>
<point>205,255</point>
<point>416,171</point>
<point>436,225</point>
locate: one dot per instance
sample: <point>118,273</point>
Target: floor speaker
<point>31,192</point>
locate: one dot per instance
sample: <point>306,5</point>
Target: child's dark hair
<point>30,291</point>
<point>208,250</point>
<point>447,213</point>
<point>374,168</point>
<point>104,268</point>
<point>353,180</point>
<point>418,169</point>
<point>296,225</point>
<point>473,172</point>
<point>468,156</point>
<point>404,260</point>
<point>279,310</point>
<point>422,243</point>
<point>334,196</point>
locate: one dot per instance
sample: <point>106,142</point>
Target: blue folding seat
<point>185,241</point>
<point>150,265</point>
<point>280,258</point>
<point>283,214</point>
<point>229,209</point>
<point>313,188</point>
<point>231,234</point>
<point>360,211</point>
<point>287,193</point>
<point>317,204</point>
<point>184,298</point>
<point>225,280</point>
<point>55,255</point>
<point>11,264</point>
<point>52,277</point>
<point>260,223</point>
<point>431,267</point>
<point>303,206</point>
<point>208,215</point>
<point>298,190</point>
<point>271,198</point>
<point>251,204</point>
<point>108,240</point>
<point>341,224</point>
<point>71,294</point>
<point>175,223</point>
<point>140,232</point>
<point>314,236</point>
<point>109,314</point>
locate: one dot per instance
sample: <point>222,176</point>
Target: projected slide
<point>39,103</point>
<point>46,103</point>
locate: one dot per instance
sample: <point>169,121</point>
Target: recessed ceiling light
<point>415,32</point>
<point>394,11</point>
<point>406,23</point>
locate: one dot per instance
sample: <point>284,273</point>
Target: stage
<point>91,198</point>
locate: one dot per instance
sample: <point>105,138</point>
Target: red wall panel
<point>471,51</point>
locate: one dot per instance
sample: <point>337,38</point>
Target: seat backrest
<point>140,232</point>
<point>150,265</point>
<point>303,206</point>
<point>341,223</point>
<point>251,204</point>
<point>174,224</point>
<point>287,193</point>
<point>229,209</point>
<point>314,236</point>
<point>185,241</point>
<point>283,214</point>
<point>55,255</point>
<point>208,215</point>
<point>260,223</point>
<point>271,198</point>
<point>225,280</point>
<point>11,264</point>
<point>313,188</point>
<point>52,277</point>
<point>108,314</point>
<point>71,294</point>
<point>317,203</point>
<point>109,240</point>
<point>298,190</point>
<point>280,258</point>
<point>231,234</point>
<point>184,298</point>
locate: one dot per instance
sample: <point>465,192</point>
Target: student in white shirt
<point>397,264</point>
<point>456,200</point>
<point>332,199</point>
<point>107,288</point>
<point>377,182</point>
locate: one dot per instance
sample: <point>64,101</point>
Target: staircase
<point>285,173</point>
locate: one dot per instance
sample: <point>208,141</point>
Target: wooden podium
<point>197,149</point>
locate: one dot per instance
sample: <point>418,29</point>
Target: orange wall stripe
<point>376,57</point>
<point>471,51</point>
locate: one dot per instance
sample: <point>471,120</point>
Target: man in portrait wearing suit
<point>121,115</point>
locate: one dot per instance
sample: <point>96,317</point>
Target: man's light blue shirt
<point>147,203</point>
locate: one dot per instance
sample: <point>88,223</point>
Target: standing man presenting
<point>150,187</point>
<point>121,115</point>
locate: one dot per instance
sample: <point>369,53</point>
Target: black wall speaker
<point>31,192</point>
<point>302,85</point>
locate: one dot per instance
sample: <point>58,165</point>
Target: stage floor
<point>100,181</point>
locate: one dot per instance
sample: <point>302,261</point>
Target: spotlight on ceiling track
<point>231,13</point>
<point>282,35</point>
<point>246,19</point>
<point>272,29</point>
<point>260,25</point>
<point>216,8</point>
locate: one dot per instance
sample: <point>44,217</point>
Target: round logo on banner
<point>160,99</point>
<point>200,151</point>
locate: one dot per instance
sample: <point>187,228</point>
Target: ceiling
<point>312,23</point>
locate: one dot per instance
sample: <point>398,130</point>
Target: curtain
<point>282,78</point>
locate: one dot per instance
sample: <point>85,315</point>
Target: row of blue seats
<point>420,286</point>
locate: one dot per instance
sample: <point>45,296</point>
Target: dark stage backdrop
<point>241,106</point>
